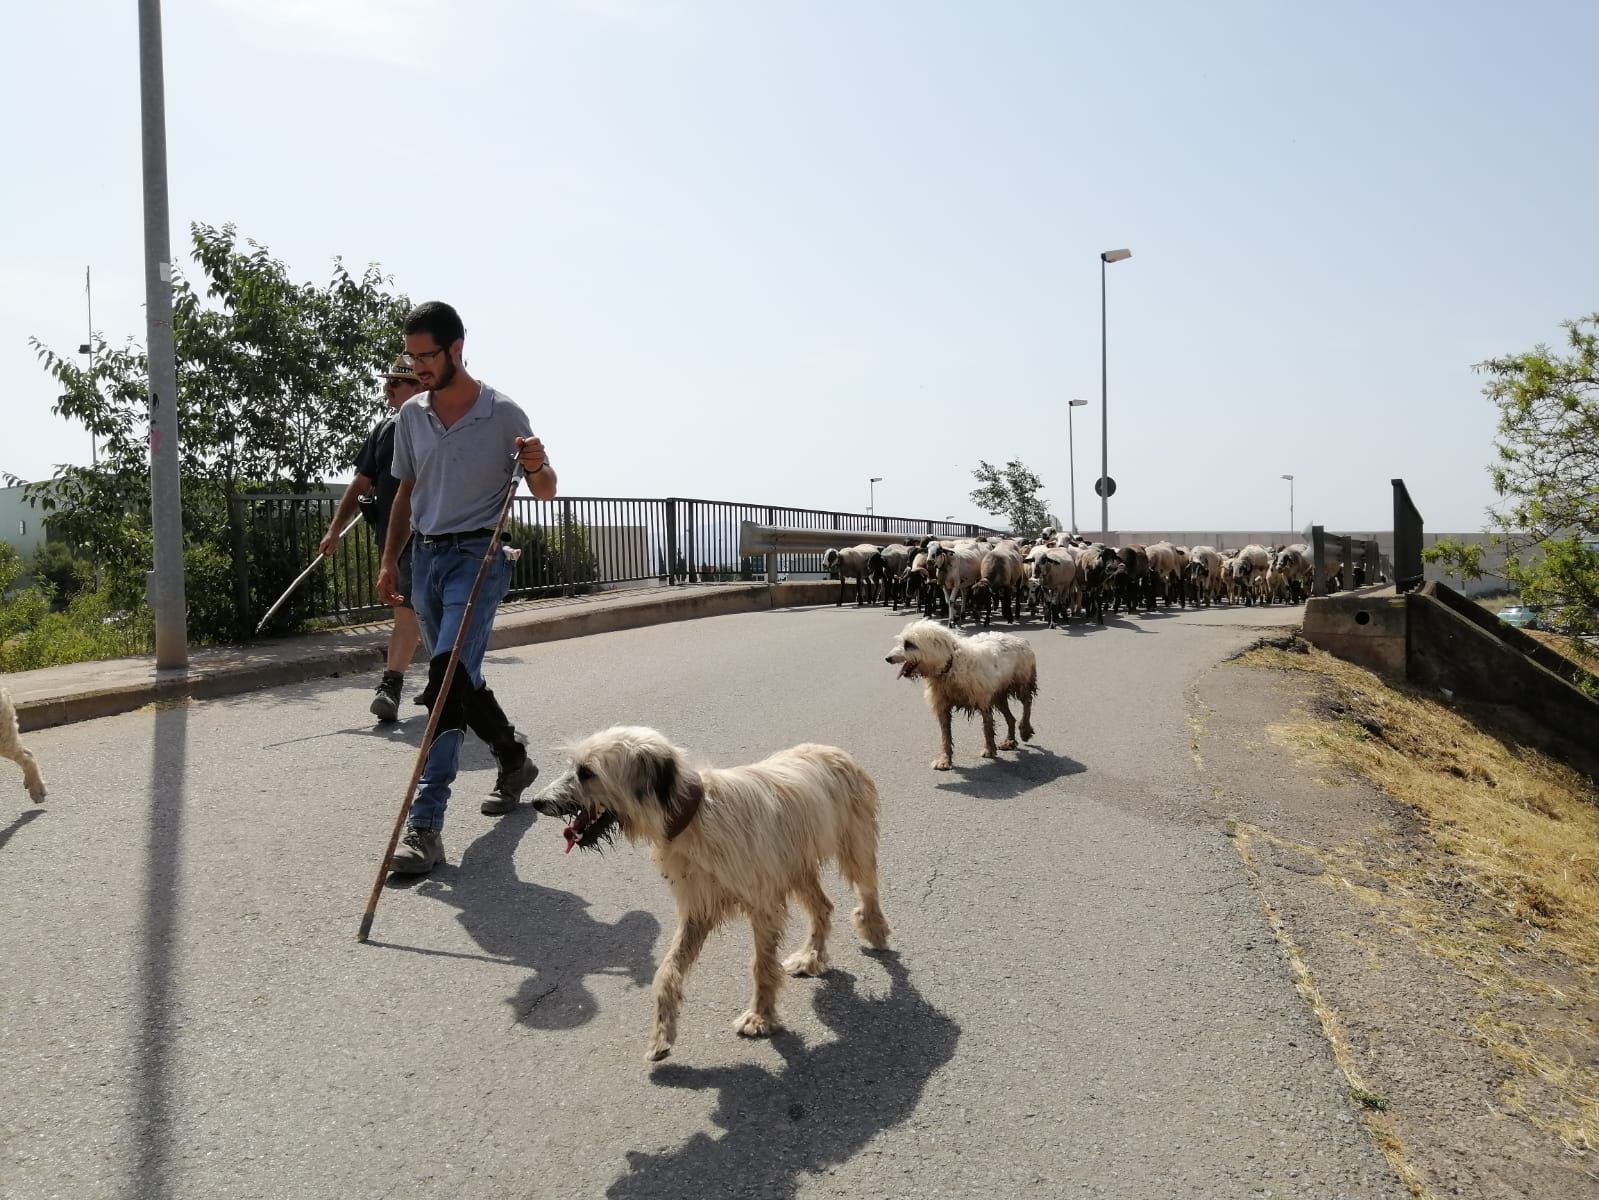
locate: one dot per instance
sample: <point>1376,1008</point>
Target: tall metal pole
<point>166,501</point>
<point>1291,526</point>
<point>1104,417</point>
<point>1071,455</point>
<point>88,299</point>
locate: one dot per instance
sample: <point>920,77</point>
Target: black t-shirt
<point>374,460</point>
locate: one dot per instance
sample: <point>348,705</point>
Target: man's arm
<point>359,486</point>
<point>399,534</point>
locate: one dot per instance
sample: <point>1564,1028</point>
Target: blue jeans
<point>442,576</point>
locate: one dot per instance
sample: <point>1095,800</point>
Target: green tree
<point>275,387</point>
<point>1547,471</point>
<point>57,568</point>
<point>1011,492</point>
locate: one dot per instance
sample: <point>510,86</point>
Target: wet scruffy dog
<point>973,674</point>
<point>728,841</point>
<point>11,747</point>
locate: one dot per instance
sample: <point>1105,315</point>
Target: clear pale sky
<point>756,251</point>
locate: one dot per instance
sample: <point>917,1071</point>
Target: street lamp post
<point>88,348</point>
<point>1292,528</point>
<point>1107,256</point>
<point>1071,454</point>
<point>871,495</point>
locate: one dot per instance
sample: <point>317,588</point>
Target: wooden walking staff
<point>438,708</point>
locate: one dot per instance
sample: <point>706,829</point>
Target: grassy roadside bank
<point>1504,888</point>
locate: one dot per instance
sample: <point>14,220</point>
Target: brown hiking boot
<point>517,772</point>
<point>419,851</point>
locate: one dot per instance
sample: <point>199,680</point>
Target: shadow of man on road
<point>820,1110</point>
<point>547,931</point>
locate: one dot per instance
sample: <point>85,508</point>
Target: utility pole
<point>166,498</point>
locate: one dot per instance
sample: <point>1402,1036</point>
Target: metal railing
<point>1360,561</point>
<point>568,547</point>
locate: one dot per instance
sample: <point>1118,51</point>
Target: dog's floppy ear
<point>663,778</point>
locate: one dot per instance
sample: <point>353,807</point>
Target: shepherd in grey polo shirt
<point>454,447</point>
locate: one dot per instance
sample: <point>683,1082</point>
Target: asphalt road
<point>1084,998</point>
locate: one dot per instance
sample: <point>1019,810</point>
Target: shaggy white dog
<point>11,747</point>
<point>728,841</point>
<point>973,674</point>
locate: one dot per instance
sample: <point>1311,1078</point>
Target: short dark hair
<point>438,319</point>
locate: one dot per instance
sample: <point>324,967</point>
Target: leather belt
<point>451,539</point>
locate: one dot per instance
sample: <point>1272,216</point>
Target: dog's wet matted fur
<point>727,841</point>
<point>11,747</point>
<point>973,674</point>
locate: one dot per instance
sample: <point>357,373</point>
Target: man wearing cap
<point>373,490</point>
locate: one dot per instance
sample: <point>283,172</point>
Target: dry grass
<point>1509,892</point>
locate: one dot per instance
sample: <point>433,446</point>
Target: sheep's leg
<point>946,760</point>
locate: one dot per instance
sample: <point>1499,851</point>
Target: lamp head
<point>1111,256</point>
<point>1078,403</point>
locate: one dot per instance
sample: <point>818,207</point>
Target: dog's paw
<point>872,928</point>
<point>1008,744</point>
<point>942,764</point>
<point>1027,733</point>
<point>989,752</point>
<point>659,1049</point>
<point>753,1024</point>
<point>806,963</point>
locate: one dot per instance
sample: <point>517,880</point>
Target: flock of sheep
<point>1064,575</point>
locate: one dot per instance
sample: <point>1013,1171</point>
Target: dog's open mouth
<point>907,671</point>
<point>590,833</point>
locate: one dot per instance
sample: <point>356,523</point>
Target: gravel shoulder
<point>1361,895</point>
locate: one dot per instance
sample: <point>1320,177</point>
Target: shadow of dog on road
<point>547,931</point>
<point>819,1110</point>
<point>1008,778</point>
<point>24,818</point>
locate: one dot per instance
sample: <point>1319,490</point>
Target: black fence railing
<point>568,547</point>
<point>1408,572</point>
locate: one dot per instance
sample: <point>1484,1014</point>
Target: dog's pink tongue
<point>904,670</point>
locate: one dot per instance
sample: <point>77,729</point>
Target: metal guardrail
<point>569,547</point>
<point>1360,560</point>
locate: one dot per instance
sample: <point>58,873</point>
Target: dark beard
<point>447,378</point>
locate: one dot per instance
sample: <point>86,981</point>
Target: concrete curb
<point>84,691</point>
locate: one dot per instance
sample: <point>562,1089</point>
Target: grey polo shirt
<point>460,474</point>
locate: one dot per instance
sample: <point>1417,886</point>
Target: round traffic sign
<point>1105,487</point>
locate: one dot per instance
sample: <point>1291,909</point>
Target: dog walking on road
<point>729,841</point>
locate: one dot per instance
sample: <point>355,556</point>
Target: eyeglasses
<point>412,360</point>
